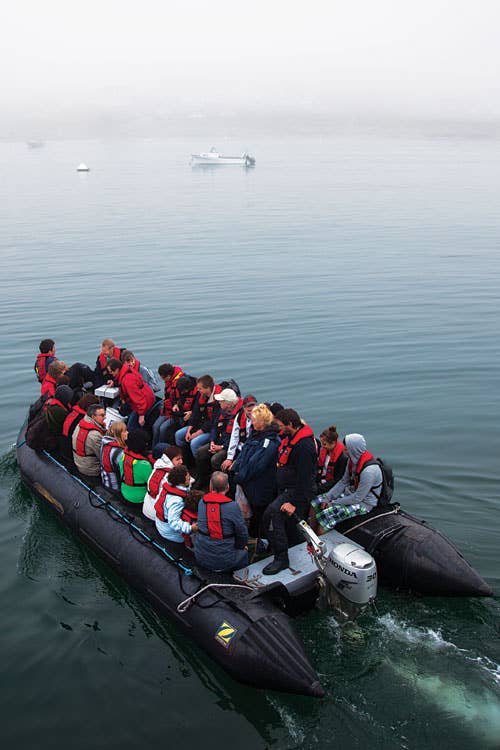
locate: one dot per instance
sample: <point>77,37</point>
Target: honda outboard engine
<point>349,574</point>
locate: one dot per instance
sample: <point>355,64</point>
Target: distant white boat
<point>82,168</point>
<point>35,144</point>
<point>213,157</point>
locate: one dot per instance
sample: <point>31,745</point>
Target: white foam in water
<point>288,720</point>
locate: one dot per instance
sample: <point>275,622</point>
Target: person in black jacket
<point>296,481</point>
<point>255,465</point>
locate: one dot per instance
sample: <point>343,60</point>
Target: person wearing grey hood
<point>357,492</point>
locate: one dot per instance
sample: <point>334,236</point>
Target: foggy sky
<point>404,58</point>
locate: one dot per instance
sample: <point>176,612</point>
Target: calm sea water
<point>355,279</point>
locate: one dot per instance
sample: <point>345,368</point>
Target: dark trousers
<point>206,463</point>
<point>280,528</point>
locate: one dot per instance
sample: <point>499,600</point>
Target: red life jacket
<point>137,387</point>
<point>335,454</point>
<point>106,456</point>
<point>365,457</point>
<point>48,386</point>
<point>128,468</point>
<point>103,359</point>
<point>184,400</point>
<point>191,517</point>
<point>167,489</point>
<point>213,501</point>
<point>75,415</point>
<point>206,407</point>
<point>83,433</point>
<point>155,480</point>
<point>168,400</point>
<point>41,365</point>
<point>287,444</point>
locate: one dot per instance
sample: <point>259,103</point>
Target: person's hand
<point>110,382</point>
<point>187,437</point>
<point>187,415</point>
<point>288,508</point>
<point>142,420</point>
<point>194,528</point>
<point>175,407</point>
<point>226,465</point>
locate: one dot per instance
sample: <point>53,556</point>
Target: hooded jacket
<point>255,467</point>
<point>162,463</point>
<point>343,493</point>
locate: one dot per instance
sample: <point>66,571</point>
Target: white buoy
<point>82,168</point>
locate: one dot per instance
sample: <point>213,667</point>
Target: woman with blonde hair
<point>255,467</point>
<point>112,446</point>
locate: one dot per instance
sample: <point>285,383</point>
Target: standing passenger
<point>45,358</point>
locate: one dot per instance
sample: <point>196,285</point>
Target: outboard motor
<point>348,580</point>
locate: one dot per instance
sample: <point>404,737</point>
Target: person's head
<point>137,441</point>
<point>174,454</point>
<point>128,358</point>
<point>262,417</point>
<point>86,400</point>
<point>288,421</point>
<point>219,483</point>
<point>227,399</point>
<point>205,385</point>
<point>185,384</point>
<point>97,412</point>
<point>118,431</point>
<point>114,366</point>
<point>276,407</point>
<point>107,347</point>
<point>355,445</point>
<point>63,380</point>
<point>47,346</point>
<point>64,394</point>
<point>192,500</point>
<point>248,404</point>
<point>329,437</point>
<point>166,371</point>
<point>179,475</point>
<point>57,368</point>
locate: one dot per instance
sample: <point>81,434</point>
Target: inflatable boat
<point>242,622</point>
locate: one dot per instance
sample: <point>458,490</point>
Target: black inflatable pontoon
<point>244,629</point>
<point>412,556</point>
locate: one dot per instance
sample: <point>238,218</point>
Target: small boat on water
<point>35,144</point>
<point>213,157</point>
<point>82,168</point>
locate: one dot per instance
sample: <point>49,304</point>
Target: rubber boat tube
<point>243,630</point>
<point>412,556</point>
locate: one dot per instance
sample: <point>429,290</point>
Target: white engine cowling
<point>352,572</point>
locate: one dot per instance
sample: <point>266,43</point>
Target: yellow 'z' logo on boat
<point>225,634</point>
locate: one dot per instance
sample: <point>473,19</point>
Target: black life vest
<point>335,454</point>
<point>75,415</point>
<point>155,481</point>
<point>128,468</point>
<point>225,422</point>
<point>213,501</point>
<point>83,433</point>
<point>206,407</point>
<point>288,444</point>
<point>167,489</point>
<point>106,456</point>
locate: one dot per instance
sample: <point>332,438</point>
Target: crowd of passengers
<point>209,467</point>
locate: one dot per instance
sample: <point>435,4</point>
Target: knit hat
<point>64,394</point>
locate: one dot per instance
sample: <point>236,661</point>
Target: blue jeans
<point>195,444</point>
<point>160,428</point>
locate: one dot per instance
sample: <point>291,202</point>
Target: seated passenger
<point>210,457</point>
<point>170,505</point>
<point>220,543</point>
<point>135,467</point>
<point>170,375</point>
<point>112,446</point>
<point>170,458</point>
<point>332,459</point>
<point>134,392</point>
<point>56,410</point>
<point>109,350</point>
<point>183,398</point>
<point>255,466</point>
<point>45,358</point>
<point>86,441</point>
<point>242,428</point>
<point>197,432</point>
<point>190,512</point>
<point>357,492</point>
<point>55,370</point>
<point>76,414</point>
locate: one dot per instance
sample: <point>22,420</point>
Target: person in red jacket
<point>134,392</point>
<point>49,385</point>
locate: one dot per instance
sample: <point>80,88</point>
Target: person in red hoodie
<point>134,392</point>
